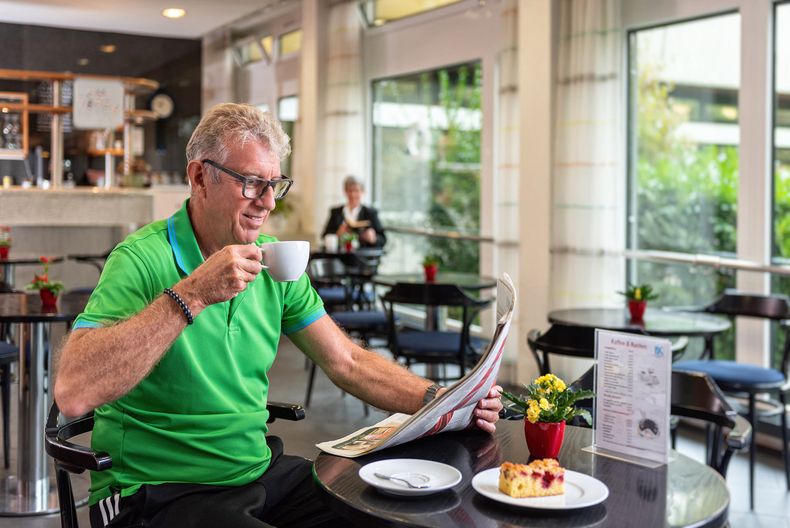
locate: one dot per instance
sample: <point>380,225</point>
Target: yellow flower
<point>533,415</point>
<point>544,404</point>
<point>559,385</point>
<point>638,294</point>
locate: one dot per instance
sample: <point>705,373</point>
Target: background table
<point>656,322</point>
<point>466,281</point>
<point>10,264</point>
<point>30,491</point>
<point>684,493</point>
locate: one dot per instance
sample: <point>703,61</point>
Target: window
<point>291,42</point>
<point>781,157</point>
<point>684,140</point>
<point>426,163</point>
<point>247,52</point>
<point>267,43</point>
<point>379,12</point>
<point>287,114</point>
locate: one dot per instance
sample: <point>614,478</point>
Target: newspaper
<point>452,410</point>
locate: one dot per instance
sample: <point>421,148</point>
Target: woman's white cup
<point>330,243</point>
<point>285,261</point>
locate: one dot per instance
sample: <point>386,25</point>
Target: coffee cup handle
<point>263,250</point>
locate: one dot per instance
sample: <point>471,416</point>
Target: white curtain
<point>589,205</point>
<point>506,156</point>
<point>343,115</point>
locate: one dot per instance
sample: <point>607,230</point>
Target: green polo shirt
<point>200,415</point>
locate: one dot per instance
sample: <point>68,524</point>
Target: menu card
<point>633,397</point>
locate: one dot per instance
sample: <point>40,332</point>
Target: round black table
<point>30,491</point>
<point>684,493</point>
<point>9,264</point>
<point>467,281</point>
<point>656,322</point>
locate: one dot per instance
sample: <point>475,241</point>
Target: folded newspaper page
<point>450,412</point>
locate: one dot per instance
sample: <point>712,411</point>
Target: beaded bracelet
<point>181,304</point>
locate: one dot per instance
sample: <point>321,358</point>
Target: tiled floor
<point>332,415</point>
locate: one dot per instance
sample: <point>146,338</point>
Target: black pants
<point>285,496</point>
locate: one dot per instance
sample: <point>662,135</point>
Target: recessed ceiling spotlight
<point>174,12</point>
<point>83,61</point>
<point>107,48</point>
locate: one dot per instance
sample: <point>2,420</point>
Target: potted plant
<point>5,242</point>
<point>348,241</point>
<point>637,296</point>
<point>46,289</point>
<point>548,404</point>
<point>430,264</point>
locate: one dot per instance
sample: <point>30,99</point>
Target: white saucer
<point>439,476</point>
<point>580,491</point>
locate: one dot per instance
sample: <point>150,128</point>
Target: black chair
<point>749,381</point>
<point>694,395</point>
<point>328,276</point>
<point>433,346</point>
<point>565,340</point>
<point>73,458</point>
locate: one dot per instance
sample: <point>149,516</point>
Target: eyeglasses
<point>254,188</point>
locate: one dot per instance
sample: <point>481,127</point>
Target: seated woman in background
<point>355,217</point>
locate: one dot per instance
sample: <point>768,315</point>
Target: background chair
<point>433,346</point>
<point>95,260</point>
<point>73,458</point>
<point>749,381</point>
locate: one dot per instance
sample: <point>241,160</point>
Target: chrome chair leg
<point>785,455</point>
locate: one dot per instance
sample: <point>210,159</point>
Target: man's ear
<point>198,178</point>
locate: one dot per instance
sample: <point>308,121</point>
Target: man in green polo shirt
<point>181,407</point>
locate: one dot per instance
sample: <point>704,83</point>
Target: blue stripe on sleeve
<point>85,324</point>
<point>304,323</point>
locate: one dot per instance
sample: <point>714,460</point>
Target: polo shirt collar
<point>182,239</point>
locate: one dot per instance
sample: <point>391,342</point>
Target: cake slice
<point>539,478</point>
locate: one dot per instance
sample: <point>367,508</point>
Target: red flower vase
<point>430,272</point>
<point>4,252</point>
<point>49,300</point>
<point>544,440</point>
<point>349,246</point>
<point>637,309</point>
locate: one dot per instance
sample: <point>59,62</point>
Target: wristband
<point>181,304</point>
<point>430,393</point>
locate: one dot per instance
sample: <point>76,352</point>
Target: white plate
<point>439,476</point>
<point>580,491</point>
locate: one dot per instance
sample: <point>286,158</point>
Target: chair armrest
<point>284,411</point>
<point>740,435</point>
<point>76,458</point>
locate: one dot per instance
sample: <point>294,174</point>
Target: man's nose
<point>266,200</point>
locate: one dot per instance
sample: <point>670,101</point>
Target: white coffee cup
<point>330,243</point>
<point>285,261</point>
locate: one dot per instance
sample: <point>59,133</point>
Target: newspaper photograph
<point>449,412</point>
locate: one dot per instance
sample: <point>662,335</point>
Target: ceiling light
<point>107,48</point>
<point>83,61</point>
<point>174,12</point>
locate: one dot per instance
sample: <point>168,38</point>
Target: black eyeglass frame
<point>245,180</point>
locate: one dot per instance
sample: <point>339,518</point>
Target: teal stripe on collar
<point>171,235</point>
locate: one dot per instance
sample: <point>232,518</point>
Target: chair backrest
<point>775,307</point>
<point>323,270</point>
<point>735,303</point>
<point>566,340</point>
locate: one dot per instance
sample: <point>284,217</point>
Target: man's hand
<point>222,276</point>
<point>343,229</point>
<point>486,412</point>
<point>368,236</point>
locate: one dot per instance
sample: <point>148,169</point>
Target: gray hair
<point>352,180</point>
<point>230,124</point>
